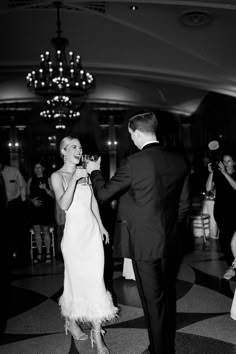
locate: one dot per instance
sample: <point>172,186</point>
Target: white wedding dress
<point>233,307</point>
<point>85,297</point>
<point>128,271</point>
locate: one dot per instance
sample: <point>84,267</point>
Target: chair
<point>199,221</point>
<point>34,246</point>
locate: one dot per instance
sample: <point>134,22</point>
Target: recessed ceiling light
<point>133,7</point>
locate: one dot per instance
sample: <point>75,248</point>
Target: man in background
<point>15,188</point>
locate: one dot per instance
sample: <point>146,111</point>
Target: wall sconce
<point>13,145</point>
<point>112,143</point>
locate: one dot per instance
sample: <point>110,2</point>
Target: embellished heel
<point>69,328</point>
<point>104,349</point>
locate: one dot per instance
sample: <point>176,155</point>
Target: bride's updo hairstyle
<point>63,144</point>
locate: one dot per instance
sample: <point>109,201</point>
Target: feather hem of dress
<point>83,310</point>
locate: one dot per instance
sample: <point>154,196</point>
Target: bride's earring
<point>64,158</point>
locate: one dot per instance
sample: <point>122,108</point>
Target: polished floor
<point>34,324</point>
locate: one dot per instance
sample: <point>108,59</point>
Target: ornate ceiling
<point>165,54</point>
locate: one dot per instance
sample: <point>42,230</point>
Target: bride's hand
<point>79,173</point>
<point>105,235</point>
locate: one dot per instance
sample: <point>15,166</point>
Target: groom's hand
<point>93,165</point>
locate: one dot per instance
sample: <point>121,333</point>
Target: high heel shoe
<point>68,327</point>
<point>103,350</point>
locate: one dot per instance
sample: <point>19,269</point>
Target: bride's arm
<point>63,197</point>
<point>96,212</point>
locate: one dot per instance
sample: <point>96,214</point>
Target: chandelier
<point>61,75</point>
<point>60,108</point>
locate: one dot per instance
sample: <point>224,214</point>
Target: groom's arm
<point>117,185</point>
<point>185,201</point>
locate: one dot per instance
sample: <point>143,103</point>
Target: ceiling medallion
<point>195,18</point>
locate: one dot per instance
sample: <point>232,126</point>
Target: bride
<point>85,298</point>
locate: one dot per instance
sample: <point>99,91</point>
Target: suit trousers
<point>157,291</point>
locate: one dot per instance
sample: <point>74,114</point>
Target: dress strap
<point>64,181</point>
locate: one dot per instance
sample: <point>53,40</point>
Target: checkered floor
<point>204,299</point>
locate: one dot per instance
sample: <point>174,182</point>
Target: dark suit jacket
<point>151,186</point>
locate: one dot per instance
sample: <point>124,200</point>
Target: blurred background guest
<point>222,179</point>
<point>40,195</point>
<point>5,256</point>
<point>15,194</point>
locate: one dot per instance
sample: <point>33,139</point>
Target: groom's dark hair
<point>145,122</point>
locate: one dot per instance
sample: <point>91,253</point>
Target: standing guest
<point>4,257</point>
<point>15,187</point>
<point>40,194</point>
<point>222,180</point>
<point>151,185</point>
<point>85,298</point>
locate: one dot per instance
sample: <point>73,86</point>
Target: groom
<point>153,197</point>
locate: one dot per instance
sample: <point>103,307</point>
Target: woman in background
<point>40,194</point>
<point>85,298</point>
<point>222,179</point>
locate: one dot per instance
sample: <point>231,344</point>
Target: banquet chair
<point>199,221</point>
<point>33,245</point>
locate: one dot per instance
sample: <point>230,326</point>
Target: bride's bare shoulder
<point>56,174</point>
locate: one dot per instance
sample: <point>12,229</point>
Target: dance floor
<point>35,326</point>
